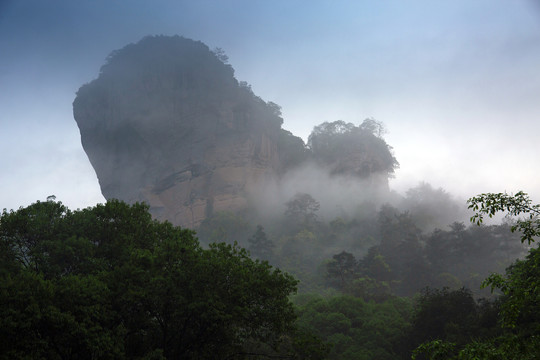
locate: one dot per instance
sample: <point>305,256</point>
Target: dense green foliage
<point>260,246</point>
<point>357,329</point>
<point>347,148</point>
<point>453,316</point>
<point>515,205</point>
<point>383,257</point>
<point>519,306</point>
<point>109,282</point>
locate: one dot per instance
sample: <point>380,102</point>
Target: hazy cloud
<point>456,83</point>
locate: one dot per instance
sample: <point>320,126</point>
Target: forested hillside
<point>376,251</point>
<point>109,282</point>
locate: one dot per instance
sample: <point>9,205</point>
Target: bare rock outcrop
<point>167,123</point>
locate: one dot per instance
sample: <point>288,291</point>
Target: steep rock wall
<point>167,123</point>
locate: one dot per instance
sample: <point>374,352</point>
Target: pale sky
<point>457,83</point>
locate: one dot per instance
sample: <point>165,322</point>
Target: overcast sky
<point>457,83</point>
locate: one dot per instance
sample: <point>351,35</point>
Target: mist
<point>257,133</point>
<point>455,83</point>
<point>338,195</point>
<point>456,104</point>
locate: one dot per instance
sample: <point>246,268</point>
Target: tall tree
<point>342,267</point>
<point>261,247</point>
<point>301,211</point>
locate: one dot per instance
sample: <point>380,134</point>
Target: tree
<point>402,250</point>
<point>342,267</point>
<point>292,150</point>
<point>302,210</point>
<point>221,55</point>
<point>110,282</point>
<point>444,314</point>
<point>520,287</point>
<point>519,204</point>
<point>432,208</point>
<point>274,108</point>
<point>223,226</point>
<point>323,135</point>
<point>358,329</point>
<point>374,265</point>
<point>348,149</point>
<point>375,127</point>
<point>261,247</point>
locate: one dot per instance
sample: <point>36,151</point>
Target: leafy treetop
<point>515,205</point>
<point>348,148</point>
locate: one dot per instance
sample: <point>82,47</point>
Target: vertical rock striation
<point>167,123</point>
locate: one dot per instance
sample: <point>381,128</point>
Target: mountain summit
<point>167,123</point>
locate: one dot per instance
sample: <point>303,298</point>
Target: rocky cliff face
<point>167,123</point>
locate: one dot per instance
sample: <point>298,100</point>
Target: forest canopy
<point>359,150</point>
<point>109,282</point>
